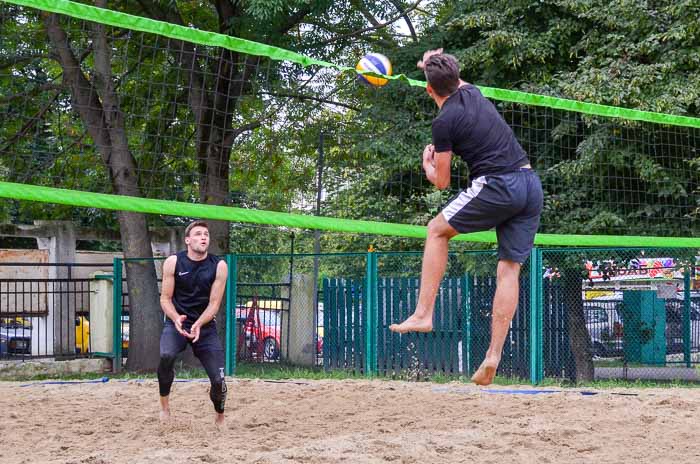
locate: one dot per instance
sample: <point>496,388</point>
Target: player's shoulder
<point>220,265</point>
<point>170,262</point>
<point>449,113</point>
<point>218,261</point>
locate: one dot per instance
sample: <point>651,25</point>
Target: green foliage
<point>600,175</point>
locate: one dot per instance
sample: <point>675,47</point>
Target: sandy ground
<point>345,421</point>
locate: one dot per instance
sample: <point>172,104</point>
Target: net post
<point>536,354</point>
<point>117,315</point>
<point>686,316</point>
<point>370,302</point>
<point>231,321</point>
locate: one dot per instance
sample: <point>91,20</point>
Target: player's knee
<point>166,374</point>
<point>218,394</point>
<point>439,227</point>
<point>508,269</point>
<point>167,361</point>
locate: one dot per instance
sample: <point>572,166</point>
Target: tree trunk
<point>579,339</point>
<point>215,191</point>
<point>146,316</point>
<point>98,107</point>
<point>213,100</point>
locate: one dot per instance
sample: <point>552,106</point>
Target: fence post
<point>686,317</point>
<point>370,312</point>
<point>117,314</point>
<point>536,315</point>
<point>466,326</point>
<point>231,321</point>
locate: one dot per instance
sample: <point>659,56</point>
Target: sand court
<point>348,421</point>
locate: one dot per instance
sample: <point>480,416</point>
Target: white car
<point>15,340</point>
<point>605,327</point>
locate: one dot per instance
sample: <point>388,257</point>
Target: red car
<point>259,333</point>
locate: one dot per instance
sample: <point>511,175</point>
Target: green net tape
<point>226,213</point>
<point>137,23</point>
<point>115,202</point>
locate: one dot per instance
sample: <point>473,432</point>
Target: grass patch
<point>288,372</point>
<point>285,372</point>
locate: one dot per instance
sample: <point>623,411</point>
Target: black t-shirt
<point>193,282</point>
<point>470,126</point>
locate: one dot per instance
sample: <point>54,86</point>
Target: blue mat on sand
<point>518,392</point>
<point>514,391</point>
<point>66,382</point>
<point>100,380</point>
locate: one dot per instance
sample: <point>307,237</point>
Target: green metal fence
<point>624,313</point>
<point>583,314</point>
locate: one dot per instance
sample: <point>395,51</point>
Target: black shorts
<point>207,349</point>
<point>512,203</point>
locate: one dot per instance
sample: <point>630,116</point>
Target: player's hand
<point>178,325</point>
<point>426,55</point>
<point>194,332</point>
<point>429,156</point>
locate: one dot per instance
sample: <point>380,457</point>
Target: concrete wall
<point>25,302</point>
<point>12,370</point>
<point>301,314</point>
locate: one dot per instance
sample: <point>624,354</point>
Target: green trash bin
<point>644,321</point>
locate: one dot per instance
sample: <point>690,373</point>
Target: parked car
<point>260,332</point>
<point>261,327</point>
<point>605,327</point>
<point>674,325</point>
<point>16,339</point>
<point>3,345</point>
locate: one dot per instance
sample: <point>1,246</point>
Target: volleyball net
<point>110,111</point>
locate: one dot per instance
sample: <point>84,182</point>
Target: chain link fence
<point>621,314</point>
<point>583,314</point>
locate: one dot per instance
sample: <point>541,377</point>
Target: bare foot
<point>486,372</point>
<point>219,420</point>
<point>413,324</point>
<point>164,409</point>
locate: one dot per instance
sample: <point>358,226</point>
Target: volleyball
<point>376,63</point>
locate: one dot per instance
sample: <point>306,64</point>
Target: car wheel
<point>271,349</point>
<point>599,350</point>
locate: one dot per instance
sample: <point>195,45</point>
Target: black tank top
<point>193,281</point>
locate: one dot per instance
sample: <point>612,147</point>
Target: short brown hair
<point>442,73</point>
<point>194,224</point>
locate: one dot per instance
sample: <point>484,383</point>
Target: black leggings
<point>207,349</point>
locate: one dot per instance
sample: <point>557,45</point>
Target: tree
<point>98,106</point>
<point>600,175</point>
<point>176,144</point>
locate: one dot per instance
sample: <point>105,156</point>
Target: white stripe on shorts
<point>464,198</point>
